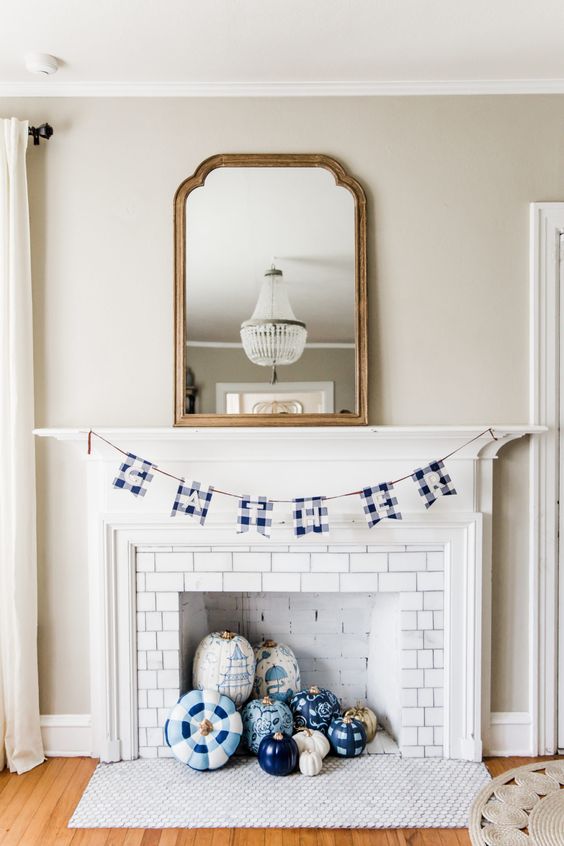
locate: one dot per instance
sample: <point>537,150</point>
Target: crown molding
<point>392,88</point>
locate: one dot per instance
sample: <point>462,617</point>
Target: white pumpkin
<point>311,740</point>
<point>277,673</point>
<point>225,662</point>
<point>367,717</point>
<point>310,762</point>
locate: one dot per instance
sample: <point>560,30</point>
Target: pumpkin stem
<point>269,643</point>
<point>205,727</point>
<point>306,730</point>
<point>278,735</point>
<point>266,700</point>
<point>314,689</point>
<point>347,720</point>
<point>227,635</point>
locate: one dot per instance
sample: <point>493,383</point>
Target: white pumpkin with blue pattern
<point>262,717</point>
<point>277,673</point>
<point>204,729</point>
<point>347,737</point>
<point>224,661</point>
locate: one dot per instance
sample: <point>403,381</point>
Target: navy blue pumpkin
<point>314,708</point>
<point>278,754</point>
<point>347,737</point>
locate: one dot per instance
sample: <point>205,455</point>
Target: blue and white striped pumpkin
<point>204,729</point>
<point>277,674</point>
<point>347,737</point>
<point>262,717</point>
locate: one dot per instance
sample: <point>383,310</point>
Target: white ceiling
<point>240,220</point>
<point>284,46</point>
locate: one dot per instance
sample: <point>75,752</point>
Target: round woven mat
<point>522,807</point>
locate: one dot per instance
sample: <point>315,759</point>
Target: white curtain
<point>20,736</point>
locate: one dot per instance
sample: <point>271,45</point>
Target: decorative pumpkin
<point>277,673</point>
<point>312,741</point>
<point>204,729</point>
<point>347,737</point>
<point>367,717</point>
<point>310,762</point>
<point>262,717</point>
<point>225,662</point>
<point>314,708</point>
<point>278,754</point>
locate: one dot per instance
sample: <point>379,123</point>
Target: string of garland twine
<point>92,433</point>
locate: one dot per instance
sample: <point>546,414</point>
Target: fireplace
<point>424,581</point>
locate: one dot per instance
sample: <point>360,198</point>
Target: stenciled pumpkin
<point>225,662</point>
<point>262,717</point>
<point>312,741</point>
<point>314,708</point>
<point>278,754</point>
<point>277,673</point>
<point>347,737</point>
<point>310,762</point>
<point>367,717</point>
<point>203,729</point>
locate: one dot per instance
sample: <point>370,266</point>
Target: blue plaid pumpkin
<point>314,708</point>
<point>347,737</point>
<point>204,729</point>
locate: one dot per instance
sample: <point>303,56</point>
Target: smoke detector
<point>41,63</point>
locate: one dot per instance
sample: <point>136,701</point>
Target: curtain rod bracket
<point>44,131</point>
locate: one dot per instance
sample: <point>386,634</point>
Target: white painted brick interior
<point>323,602</point>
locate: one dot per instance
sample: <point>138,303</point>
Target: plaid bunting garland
<point>193,501</point>
<point>310,516</point>
<point>379,502</point>
<point>255,511</point>
<point>134,475</point>
<point>433,482</point>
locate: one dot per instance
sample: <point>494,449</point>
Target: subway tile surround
<point>416,576</point>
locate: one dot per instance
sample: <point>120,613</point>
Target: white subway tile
<point>434,751</point>
<point>171,697</point>
<point>425,735</point>
<point>411,601</point>
<point>162,716</point>
<point>409,736</point>
<point>424,619</point>
<point>435,561</point>
<point>438,658</point>
<point>270,547</point>
<point>142,735</point>
<point>212,561</point>
<point>434,678</point>
<point>203,581</point>
<point>142,701</point>
<point>167,601</point>
<point>412,716</point>
<point>320,582</point>
<point>171,659</point>
<point>145,562</point>
<point>438,735</point>
<point>412,751</point>
<point>288,562</point>
<point>433,600</point>
<point>329,562</point>
<point>167,640</point>
<point>425,698</point>
<point>140,582</point>
<point>433,639</point>
<point>165,752</point>
<point>154,621</point>
<point>430,581</point>
<point>171,621</point>
<point>242,581</point>
<point>145,601</point>
<point>425,659</point>
<point>409,699</point>
<point>369,562</point>
<point>251,562</point>
<point>147,751</point>
<point>401,562</point>
<point>360,582</point>
<point>147,717</point>
<point>438,620</point>
<point>412,640</point>
<point>346,548</point>
<point>166,678</point>
<point>155,660</point>
<point>408,619</point>
<point>146,679</point>
<point>155,699</point>
<point>155,737</point>
<point>438,697</point>
<point>434,716</point>
<point>307,547</point>
<point>284,582</point>
<point>141,624</point>
<point>142,660</point>
<point>165,581</point>
<point>398,582</point>
<point>146,640</point>
<point>412,678</point>
<point>408,659</point>
<point>174,562</point>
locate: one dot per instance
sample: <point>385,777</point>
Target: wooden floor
<point>35,808</point>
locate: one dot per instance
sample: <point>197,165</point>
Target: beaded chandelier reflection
<point>273,336</point>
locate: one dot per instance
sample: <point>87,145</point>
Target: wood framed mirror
<point>270,293</point>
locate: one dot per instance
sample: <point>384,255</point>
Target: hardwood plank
<point>90,836</point>
<point>343,837</point>
<point>16,794</point>
<point>30,830</point>
<point>29,796</point>
<point>133,837</point>
<point>186,837</point>
<point>369,837</point>
<point>151,837</point>
<point>325,837</point>
<point>116,837</point>
<point>55,829</point>
<point>169,837</point>
<point>248,837</point>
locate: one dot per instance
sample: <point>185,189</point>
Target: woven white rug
<point>374,791</point>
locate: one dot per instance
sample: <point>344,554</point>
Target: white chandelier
<point>273,336</point>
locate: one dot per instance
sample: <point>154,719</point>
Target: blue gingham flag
<point>134,475</point>
<point>433,482</point>
<point>255,511</point>
<point>310,516</point>
<point>192,500</point>
<point>379,502</point>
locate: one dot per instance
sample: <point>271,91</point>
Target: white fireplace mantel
<point>284,463</point>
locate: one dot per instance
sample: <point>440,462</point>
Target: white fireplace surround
<point>283,463</point>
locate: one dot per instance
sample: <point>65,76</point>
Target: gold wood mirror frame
<point>355,417</point>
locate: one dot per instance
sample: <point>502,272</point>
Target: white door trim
<point>547,225</point>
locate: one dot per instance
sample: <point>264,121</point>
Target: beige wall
<point>448,181</point>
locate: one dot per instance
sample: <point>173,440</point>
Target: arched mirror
<point>270,293</point>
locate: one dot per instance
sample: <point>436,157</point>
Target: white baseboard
<point>66,735</point>
<point>509,734</point>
